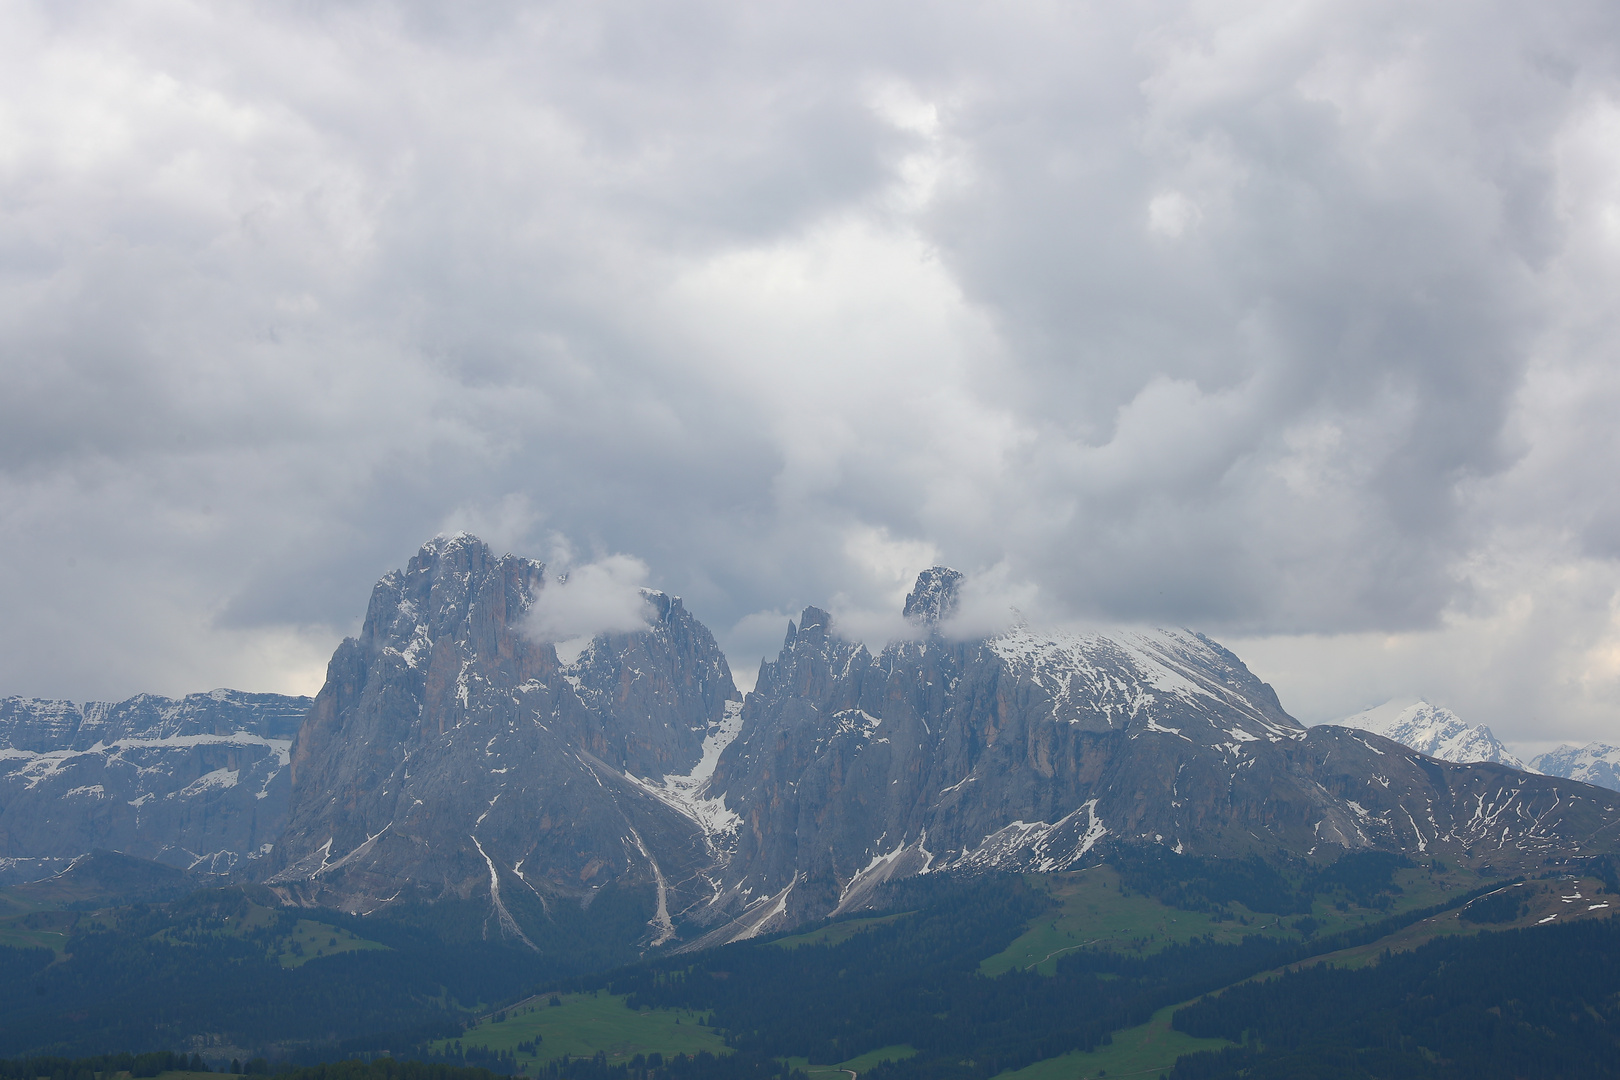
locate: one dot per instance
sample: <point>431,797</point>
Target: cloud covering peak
<point>607,596</point>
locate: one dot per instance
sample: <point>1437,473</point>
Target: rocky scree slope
<point>198,783</point>
<point>452,755</point>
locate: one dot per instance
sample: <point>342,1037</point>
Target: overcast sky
<point>1295,323</point>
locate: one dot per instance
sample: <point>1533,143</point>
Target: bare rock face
<point>935,597</point>
<point>198,783</point>
<point>1026,751</point>
<point>451,755</point>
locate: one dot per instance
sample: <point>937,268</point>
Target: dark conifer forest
<point>1536,1002</point>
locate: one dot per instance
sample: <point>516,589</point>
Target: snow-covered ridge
<point>1121,673</point>
<point>39,765</point>
<point>1595,763</point>
<point>1099,655</point>
<point>1434,730</point>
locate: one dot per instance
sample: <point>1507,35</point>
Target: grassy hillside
<point>1539,1003</point>
<point>1145,1050</point>
<point>1555,901</point>
<point>1099,909</point>
<point>25,928</point>
<point>835,933</point>
<point>1093,903</point>
<point>287,939</point>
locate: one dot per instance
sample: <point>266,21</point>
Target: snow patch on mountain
<point>1038,846</point>
<point>688,793</point>
<point>1434,730</point>
<point>904,861</point>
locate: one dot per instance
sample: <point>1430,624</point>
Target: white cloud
<point>607,596</point>
<point>1277,320</point>
<point>1172,213</point>
<point>990,602</point>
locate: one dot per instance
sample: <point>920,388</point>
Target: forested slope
<point>1533,1003</point>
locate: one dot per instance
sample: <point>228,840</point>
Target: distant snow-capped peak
<point>1595,763</point>
<point>1434,730</point>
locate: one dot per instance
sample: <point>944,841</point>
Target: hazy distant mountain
<point>1434,730</point>
<point>1595,763</point>
<point>197,782</point>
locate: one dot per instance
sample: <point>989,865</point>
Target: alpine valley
<point>466,814</point>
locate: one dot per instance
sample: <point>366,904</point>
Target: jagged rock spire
<point>934,598</point>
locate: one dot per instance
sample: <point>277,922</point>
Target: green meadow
<point>585,1024</point>
<point>835,933</point>
<point>1095,909</point>
<point>1147,1050</point>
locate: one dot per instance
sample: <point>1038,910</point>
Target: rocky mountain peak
<point>935,597</point>
<point>455,588</point>
<point>453,753</point>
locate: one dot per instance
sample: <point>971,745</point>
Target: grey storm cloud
<point>1291,322</point>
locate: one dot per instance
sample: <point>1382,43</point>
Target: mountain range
<point>1441,733</point>
<point>454,757</point>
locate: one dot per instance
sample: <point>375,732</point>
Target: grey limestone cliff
<point>452,755</point>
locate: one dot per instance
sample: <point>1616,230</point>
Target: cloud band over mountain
<point>1294,324</point>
